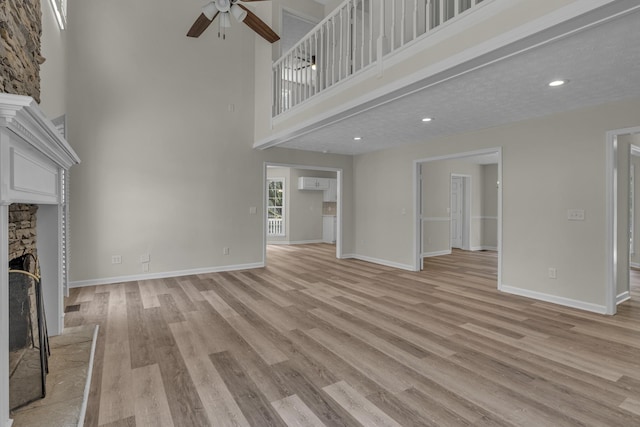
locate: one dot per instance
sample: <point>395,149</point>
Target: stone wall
<point>20,32</point>
<point>20,59</point>
<point>22,229</point>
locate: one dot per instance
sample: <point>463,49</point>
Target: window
<point>60,10</point>
<point>275,207</point>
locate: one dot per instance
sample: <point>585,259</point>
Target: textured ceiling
<point>602,65</point>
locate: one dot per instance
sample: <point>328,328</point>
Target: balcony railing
<point>274,227</point>
<point>352,38</point>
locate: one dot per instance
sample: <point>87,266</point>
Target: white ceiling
<point>601,63</point>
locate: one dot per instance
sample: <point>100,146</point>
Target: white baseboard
<point>626,295</point>
<point>379,261</point>
<point>567,302</point>
<point>484,248</point>
<point>163,275</point>
<point>634,265</point>
<point>436,253</point>
<point>297,242</point>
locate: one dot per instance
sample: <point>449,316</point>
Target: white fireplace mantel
<point>33,160</point>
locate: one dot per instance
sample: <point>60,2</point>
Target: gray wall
<point>164,125</point>
<point>550,164</point>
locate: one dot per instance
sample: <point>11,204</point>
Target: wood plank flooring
<point>315,341</point>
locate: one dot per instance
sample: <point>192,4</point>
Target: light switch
<point>253,210</point>
<point>575,214</point>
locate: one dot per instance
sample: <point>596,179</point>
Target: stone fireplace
<point>34,160</point>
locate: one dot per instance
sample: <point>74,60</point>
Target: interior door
<point>457,205</point>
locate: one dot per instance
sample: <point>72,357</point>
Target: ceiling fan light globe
<point>238,13</point>
<point>209,10</point>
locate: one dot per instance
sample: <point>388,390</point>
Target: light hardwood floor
<point>312,341</point>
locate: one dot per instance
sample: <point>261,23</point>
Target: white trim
<point>625,296</point>
<point>567,302</point>
<point>484,248</point>
<point>379,261</point>
<point>164,275</point>
<point>87,384</point>
<point>436,253</point>
<point>297,242</point>
<point>634,265</point>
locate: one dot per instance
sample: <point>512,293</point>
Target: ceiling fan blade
<point>259,26</point>
<point>201,24</point>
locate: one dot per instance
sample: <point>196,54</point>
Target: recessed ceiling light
<point>557,83</point>
<point>357,138</point>
<point>427,119</point>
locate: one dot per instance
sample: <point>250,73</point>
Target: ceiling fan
<point>224,8</point>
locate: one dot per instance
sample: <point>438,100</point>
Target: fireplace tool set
<point>28,338</point>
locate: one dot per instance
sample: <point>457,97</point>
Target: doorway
<point>620,237</point>
<point>479,223</point>
<point>634,221</point>
<point>295,215</point>
<point>460,210</point>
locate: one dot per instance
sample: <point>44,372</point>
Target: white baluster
<point>402,21</point>
<point>415,19</point>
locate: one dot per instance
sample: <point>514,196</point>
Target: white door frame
<point>417,197</point>
<point>611,291</point>
<point>466,212</point>
<point>339,174</point>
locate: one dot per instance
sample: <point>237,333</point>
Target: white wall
<point>167,168</point>
<point>550,165</point>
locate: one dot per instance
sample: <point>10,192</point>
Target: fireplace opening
<point>28,339</point>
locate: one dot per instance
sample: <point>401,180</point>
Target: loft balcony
<point>352,39</point>
<point>368,53</point>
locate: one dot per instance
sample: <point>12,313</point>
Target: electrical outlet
<point>145,267</point>
<point>575,214</point>
<point>553,273</point>
<point>253,210</point>
<point>116,259</point>
<point>225,251</point>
